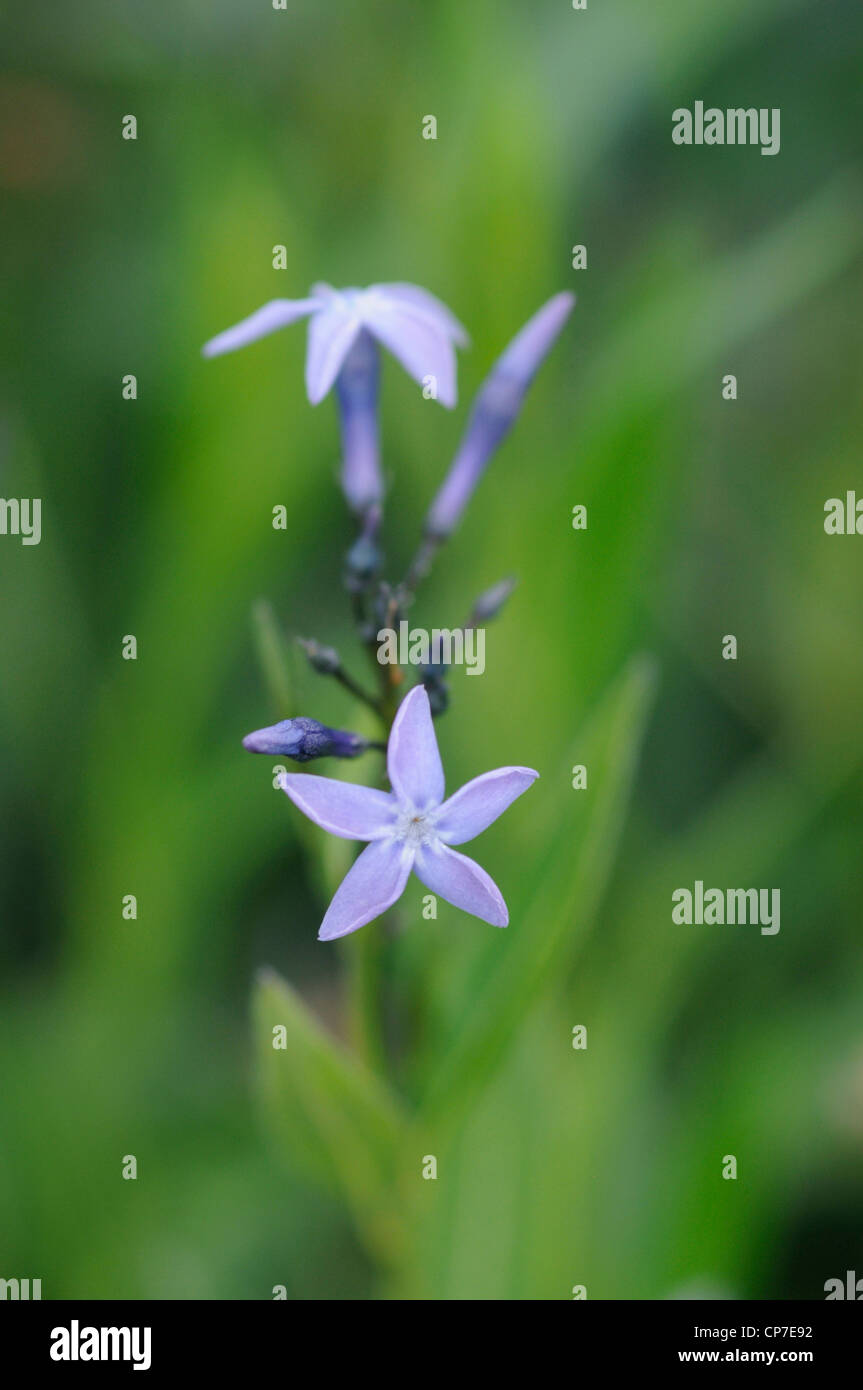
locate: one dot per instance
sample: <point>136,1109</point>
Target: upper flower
<point>415,326</point>
<point>411,827</point>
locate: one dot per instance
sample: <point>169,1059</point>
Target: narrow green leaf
<point>561,901</point>
<point>331,1118</point>
<point>273,657</point>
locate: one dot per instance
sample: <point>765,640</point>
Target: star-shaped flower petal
<point>410,829</point>
<point>415,327</point>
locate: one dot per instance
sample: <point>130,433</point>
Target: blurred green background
<point>303,128</point>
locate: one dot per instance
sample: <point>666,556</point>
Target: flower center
<point>415,828</point>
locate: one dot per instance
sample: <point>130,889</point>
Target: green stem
<point>349,684</point>
<point>422,561</point>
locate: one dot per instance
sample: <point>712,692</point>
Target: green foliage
<point>557,905</point>
<point>705,518</point>
<point>334,1119</point>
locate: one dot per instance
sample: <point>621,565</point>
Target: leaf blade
<point>332,1119</point>
<point>515,976</point>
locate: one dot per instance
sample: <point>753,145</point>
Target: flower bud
<point>495,411</point>
<point>303,739</point>
<point>490,603</point>
<point>364,560</point>
<point>436,687</point>
<point>325,660</point>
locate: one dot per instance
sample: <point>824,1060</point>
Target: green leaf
<point>560,904</point>
<point>273,657</point>
<point>330,1117</point>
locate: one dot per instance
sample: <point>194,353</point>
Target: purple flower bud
<point>357,391</point>
<point>362,564</point>
<point>364,560</point>
<point>304,739</point>
<point>325,660</point>
<point>489,603</point>
<point>433,680</point>
<point>495,411</point>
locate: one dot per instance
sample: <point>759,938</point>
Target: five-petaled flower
<point>410,828</point>
<point>412,323</point>
<point>345,328</point>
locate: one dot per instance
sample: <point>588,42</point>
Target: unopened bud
<point>495,411</point>
<point>363,563</point>
<point>304,739</point>
<point>324,660</point>
<point>490,603</point>
<point>436,688</point>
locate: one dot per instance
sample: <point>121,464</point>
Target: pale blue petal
<point>373,884</point>
<point>460,881</point>
<point>276,314</point>
<point>413,758</point>
<point>331,335</point>
<point>419,344</point>
<point>353,813</point>
<point>478,803</point>
<point>427,304</point>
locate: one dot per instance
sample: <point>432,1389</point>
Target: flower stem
<point>349,684</point>
<point>422,561</point>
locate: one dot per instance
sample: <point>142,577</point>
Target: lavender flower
<point>345,327</point>
<point>409,828</point>
<point>416,327</point>
<point>495,412</point>
<point>303,739</point>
